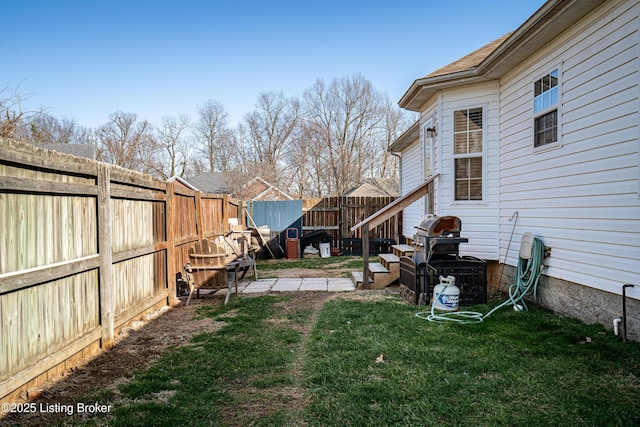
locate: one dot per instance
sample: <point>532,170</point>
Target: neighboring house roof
<point>79,150</point>
<point>375,187</point>
<point>212,182</point>
<point>260,190</point>
<point>496,58</point>
<point>182,181</point>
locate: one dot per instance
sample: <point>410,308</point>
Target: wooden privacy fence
<point>338,214</point>
<point>85,248</point>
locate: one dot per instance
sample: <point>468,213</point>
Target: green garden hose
<point>528,275</point>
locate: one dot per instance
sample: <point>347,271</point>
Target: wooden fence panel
<point>41,320</point>
<point>212,216</point>
<point>337,215</point>
<point>135,280</point>
<point>38,230</point>
<point>85,248</point>
<point>67,224</point>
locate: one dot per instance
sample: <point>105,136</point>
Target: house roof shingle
<point>212,183</point>
<point>79,150</point>
<point>470,60</point>
<point>375,187</point>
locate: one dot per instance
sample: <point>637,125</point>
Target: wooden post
<point>225,214</point>
<point>169,219</point>
<point>107,301</point>
<point>395,233</point>
<point>365,256</point>
<point>198,207</point>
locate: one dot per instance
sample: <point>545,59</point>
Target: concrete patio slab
<point>262,285</point>
<point>286,285</point>
<point>314,284</point>
<point>293,284</point>
<point>340,285</point>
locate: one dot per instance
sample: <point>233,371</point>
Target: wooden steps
<point>402,250</point>
<point>356,276</point>
<point>381,274</point>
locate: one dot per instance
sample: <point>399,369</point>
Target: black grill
<point>437,243</point>
<point>439,236</point>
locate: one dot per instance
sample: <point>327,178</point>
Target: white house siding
<point>581,198</point>
<point>429,117</point>
<point>479,218</point>
<point>412,177</point>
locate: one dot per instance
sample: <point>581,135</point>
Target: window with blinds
<point>467,153</point>
<point>545,109</point>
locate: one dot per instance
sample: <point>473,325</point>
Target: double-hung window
<point>545,110</point>
<point>467,153</point>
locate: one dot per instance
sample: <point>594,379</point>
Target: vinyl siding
<point>412,176</point>
<point>479,218</point>
<point>580,198</point>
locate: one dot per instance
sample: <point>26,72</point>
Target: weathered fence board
<point>86,247</point>
<point>338,214</point>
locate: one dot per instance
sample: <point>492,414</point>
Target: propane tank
<point>446,294</point>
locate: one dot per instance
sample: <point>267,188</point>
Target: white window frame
<point>557,107</point>
<point>427,148</point>
<point>481,154</point>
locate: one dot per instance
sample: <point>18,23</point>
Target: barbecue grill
<point>437,252</point>
<point>439,237</point>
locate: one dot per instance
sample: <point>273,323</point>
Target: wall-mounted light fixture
<point>431,132</point>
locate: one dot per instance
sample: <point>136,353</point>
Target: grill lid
<point>437,226</point>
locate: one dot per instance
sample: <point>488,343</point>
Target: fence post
<point>365,256</point>
<point>198,208</point>
<point>169,219</point>
<point>225,214</point>
<point>107,303</point>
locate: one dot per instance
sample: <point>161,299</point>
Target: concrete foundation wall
<point>565,298</point>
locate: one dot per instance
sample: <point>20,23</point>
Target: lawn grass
<point>314,262</point>
<point>373,362</point>
<point>525,369</point>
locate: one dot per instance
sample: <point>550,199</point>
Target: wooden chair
<point>206,255</point>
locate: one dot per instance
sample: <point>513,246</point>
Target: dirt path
<point>139,348</point>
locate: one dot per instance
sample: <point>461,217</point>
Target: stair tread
<point>390,257</point>
<point>376,267</point>
<point>357,277</point>
<point>403,248</point>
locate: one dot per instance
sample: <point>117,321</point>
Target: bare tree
<point>346,117</point>
<point>12,117</point>
<point>305,164</point>
<point>268,131</point>
<point>127,142</point>
<point>213,136</point>
<point>396,121</point>
<point>46,129</point>
<point>173,138</point>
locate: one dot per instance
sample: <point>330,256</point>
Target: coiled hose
<point>528,275</point>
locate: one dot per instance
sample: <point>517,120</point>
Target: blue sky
<point>86,59</point>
